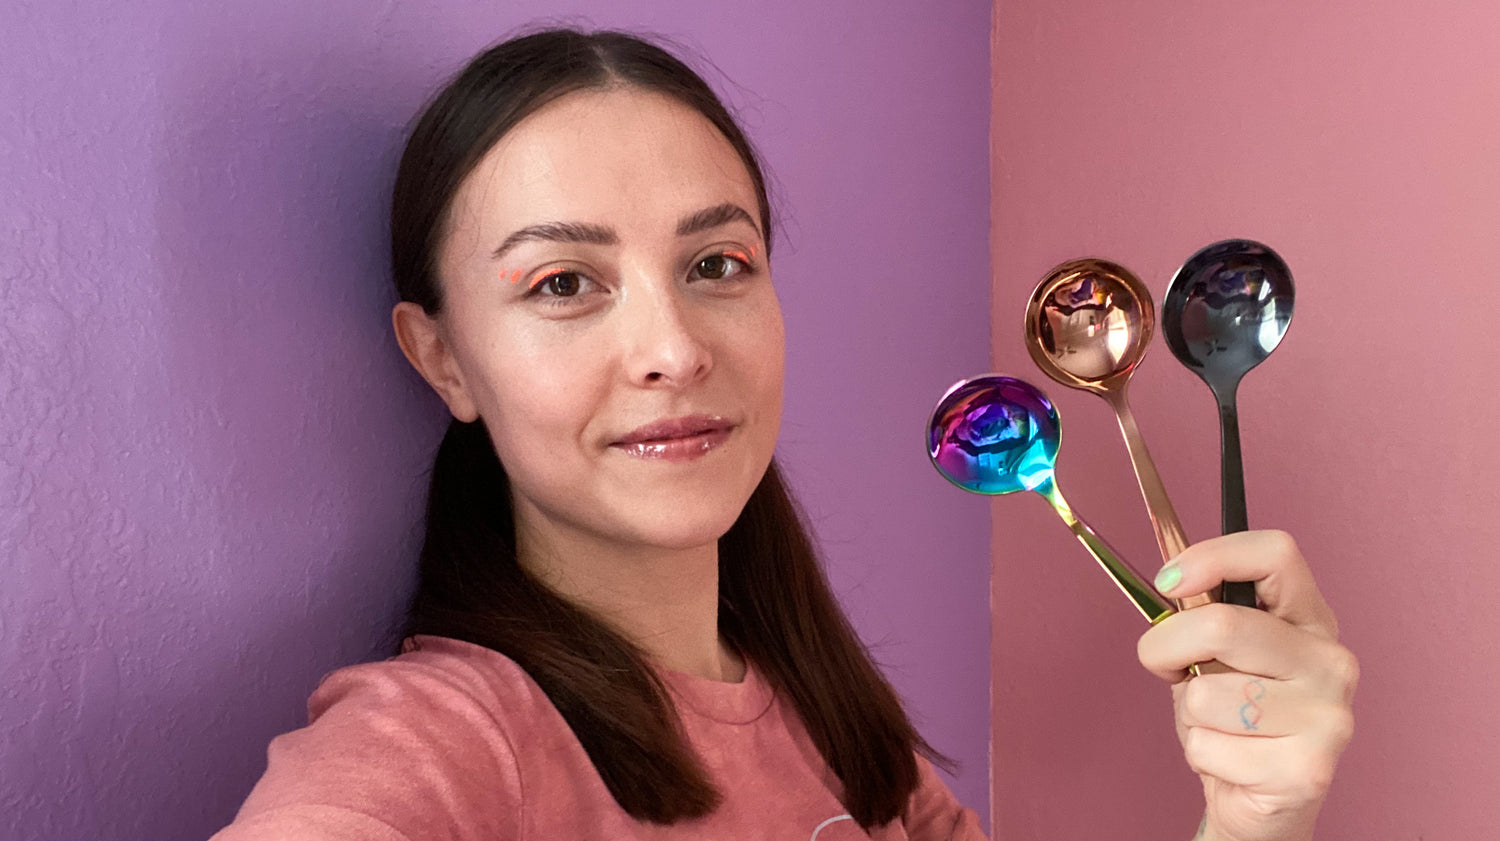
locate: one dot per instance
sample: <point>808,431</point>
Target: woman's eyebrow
<point>712,217</point>
<point>705,219</point>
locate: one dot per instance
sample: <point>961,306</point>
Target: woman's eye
<point>720,266</point>
<point>564,288</point>
<point>559,285</point>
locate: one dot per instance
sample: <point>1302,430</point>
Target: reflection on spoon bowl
<point>1228,307</point>
<point>1089,324</point>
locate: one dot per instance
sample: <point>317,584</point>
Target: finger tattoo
<point>1250,711</point>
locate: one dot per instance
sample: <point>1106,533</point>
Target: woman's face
<point>630,288</point>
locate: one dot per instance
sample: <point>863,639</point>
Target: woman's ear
<point>422,339</point>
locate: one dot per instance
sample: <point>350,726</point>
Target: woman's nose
<point>667,345</point>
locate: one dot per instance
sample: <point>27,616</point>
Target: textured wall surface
<point>212,454</point>
<point>1360,141</point>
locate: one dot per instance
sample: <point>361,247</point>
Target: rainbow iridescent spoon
<point>997,435</point>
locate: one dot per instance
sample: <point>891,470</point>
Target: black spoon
<point>1226,310</point>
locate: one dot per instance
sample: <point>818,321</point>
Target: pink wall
<point>1361,140</point>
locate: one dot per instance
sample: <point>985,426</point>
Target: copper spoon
<point>1088,325</point>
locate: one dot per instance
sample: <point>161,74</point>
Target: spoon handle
<point>1170,537</point>
<point>1150,603</point>
<point>1232,475</point>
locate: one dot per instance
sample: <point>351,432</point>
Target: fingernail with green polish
<point>1168,577</point>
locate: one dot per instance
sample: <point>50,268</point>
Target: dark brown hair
<point>776,606</point>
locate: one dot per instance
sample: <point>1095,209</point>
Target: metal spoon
<point>997,435</point>
<point>1226,310</point>
<point>1088,326</point>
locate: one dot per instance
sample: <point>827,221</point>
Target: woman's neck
<point>666,601</point>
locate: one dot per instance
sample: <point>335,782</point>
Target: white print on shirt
<point>827,822</point>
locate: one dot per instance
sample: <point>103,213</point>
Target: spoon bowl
<point>1227,308</point>
<point>999,435</point>
<point>995,435</point>
<point>1089,323</point>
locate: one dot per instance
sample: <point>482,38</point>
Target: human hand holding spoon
<point>1227,309</point>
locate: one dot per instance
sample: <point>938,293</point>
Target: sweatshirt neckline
<point>727,703</point>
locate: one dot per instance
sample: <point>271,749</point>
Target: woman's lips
<point>669,428</point>
<point>685,448</point>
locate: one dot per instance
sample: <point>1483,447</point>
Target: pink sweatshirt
<point>455,741</point>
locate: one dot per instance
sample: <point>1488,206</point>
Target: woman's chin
<point>681,531</point>
<point>683,516</point>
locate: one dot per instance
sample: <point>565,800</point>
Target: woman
<point>621,630</point>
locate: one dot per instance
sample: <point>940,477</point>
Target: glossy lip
<point>670,429</point>
<point>677,449</point>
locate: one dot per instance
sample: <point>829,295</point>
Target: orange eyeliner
<point>515,276</point>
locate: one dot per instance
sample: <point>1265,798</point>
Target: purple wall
<point>212,452</point>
